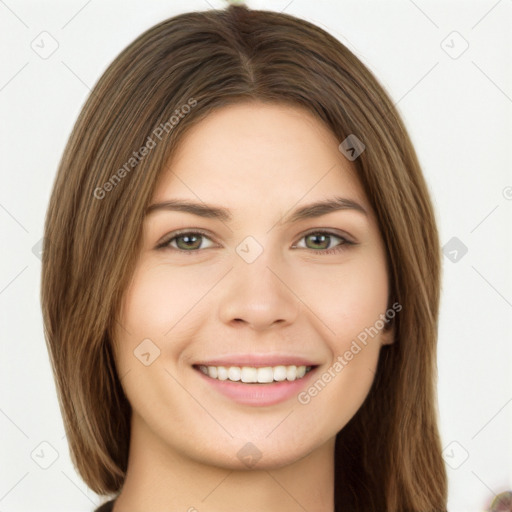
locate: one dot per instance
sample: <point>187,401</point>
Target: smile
<point>256,385</point>
<point>253,375</point>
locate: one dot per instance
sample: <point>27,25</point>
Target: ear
<point>387,335</point>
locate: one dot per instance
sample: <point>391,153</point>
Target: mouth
<point>256,385</point>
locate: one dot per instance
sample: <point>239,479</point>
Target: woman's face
<point>257,283</point>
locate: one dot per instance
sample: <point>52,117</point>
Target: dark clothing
<point>106,507</point>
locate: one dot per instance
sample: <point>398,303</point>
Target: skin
<point>261,161</point>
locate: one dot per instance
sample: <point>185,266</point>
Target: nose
<point>258,295</point>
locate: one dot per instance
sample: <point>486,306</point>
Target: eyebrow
<point>308,211</point>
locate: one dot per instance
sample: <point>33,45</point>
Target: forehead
<point>270,153</point>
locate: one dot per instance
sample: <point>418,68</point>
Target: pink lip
<point>257,360</point>
<point>258,394</point>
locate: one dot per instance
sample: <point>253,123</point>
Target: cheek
<point>163,304</point>
<point>159,297</point>
<point>350,298</point>
<point>350,305</point>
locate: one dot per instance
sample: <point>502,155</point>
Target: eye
<point>192,242</point>
<point>184,241</point>
<point>321,241</point>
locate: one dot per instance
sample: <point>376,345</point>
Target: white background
<point>458,112</point>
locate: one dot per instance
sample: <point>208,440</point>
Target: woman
<point>241,282</point>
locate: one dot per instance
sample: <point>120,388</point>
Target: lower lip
<point>259,394</point>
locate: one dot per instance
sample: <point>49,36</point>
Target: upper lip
<point>257,360</point>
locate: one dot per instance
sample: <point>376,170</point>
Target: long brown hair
<point>388,457</point>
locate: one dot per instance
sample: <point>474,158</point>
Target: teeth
<point>251,374</point>
<point>234,373</point>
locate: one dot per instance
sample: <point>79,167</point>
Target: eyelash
<point>338,248</point>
